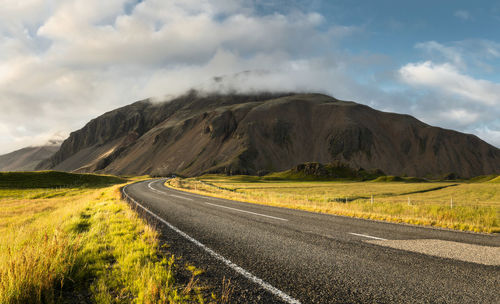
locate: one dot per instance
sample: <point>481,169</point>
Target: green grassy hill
<point>495,180</point>
<point>326,172</point>
<point>483,178</point>
<point>55,179</point>
<point>390,178</point>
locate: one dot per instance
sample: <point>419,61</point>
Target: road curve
<point>279,255</point>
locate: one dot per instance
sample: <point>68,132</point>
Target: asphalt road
<point>279,255</point>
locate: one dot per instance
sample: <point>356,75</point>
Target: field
<point>471,206</point>
<point>77,241</point>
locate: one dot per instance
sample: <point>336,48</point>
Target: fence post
<point>409,201</point>
<point>372,199</point>
<point>451,202</point>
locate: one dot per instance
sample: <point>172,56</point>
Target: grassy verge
<point>461,206</point>
<point>84,245</point>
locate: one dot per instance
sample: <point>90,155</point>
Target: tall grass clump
<point>124,260</point>
<point>35,270</point>
<point>84,245</point>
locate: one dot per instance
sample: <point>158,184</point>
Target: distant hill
<point>255,134</point>
<point>27,159</point>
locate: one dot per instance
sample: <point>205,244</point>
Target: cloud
<point>449,53</point>
<point>492,136</point>
<point>446,78</point>
<point>462,14</point>
<point>445,95</point>
<point>65,62</point>
<point>171,32</point>
<point>478,55</point>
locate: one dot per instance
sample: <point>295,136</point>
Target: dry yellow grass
<point>59,245</point>
<point>475,207</point>
<point>36,252</point>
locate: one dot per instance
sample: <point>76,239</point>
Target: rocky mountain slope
<point>27,159</point>
<point>251,134</point>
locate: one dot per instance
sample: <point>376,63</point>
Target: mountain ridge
<point>28,158</point>
<point>254,133</point>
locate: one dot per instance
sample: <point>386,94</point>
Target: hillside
<point>28,158</point>
<point>54,179</point>
<point>317,171</point>
<point>256,134</point>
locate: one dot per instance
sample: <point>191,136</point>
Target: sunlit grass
<point>462,206</point>
<point>64,245</point>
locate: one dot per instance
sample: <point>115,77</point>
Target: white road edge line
<point>269,216</point>
<point>275,291</point>
<point>368,236</point>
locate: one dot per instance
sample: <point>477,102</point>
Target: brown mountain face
<point>27,159</point>
<point>253,134</point>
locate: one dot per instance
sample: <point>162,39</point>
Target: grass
<point>54,179</point>
<point>495,180</point>
<point>315,171</point>
<point>83,244</point>
<point>470,206</point>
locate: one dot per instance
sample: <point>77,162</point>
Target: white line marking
<point>273,217</point>
<point>154,190</point>
<point>186,198</point>
<point>199,195</point>
<point>202,196</point>
<point>368,236</point>
<point>275,291</point>
<point>159,191</point>
<point>178,196</point>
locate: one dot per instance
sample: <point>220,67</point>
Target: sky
<point>63,63</point>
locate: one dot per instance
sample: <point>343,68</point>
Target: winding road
<point>279,255</point>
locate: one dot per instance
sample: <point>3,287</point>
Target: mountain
<point>27,159</point>
<point>254,134</point>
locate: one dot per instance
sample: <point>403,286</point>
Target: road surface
<point>279,255</point>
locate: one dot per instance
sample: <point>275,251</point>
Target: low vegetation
<point>313,171</point>
<point>55,179</point>
<point>82,243</point>
<point>465,205</point>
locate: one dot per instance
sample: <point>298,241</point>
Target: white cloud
<point>65,62</point>
<point>446,78</point>
<point>470,54</point>
<point>462,14</point>
<point>445,94</point>
<point>462,116</point>
<point>449,53</point>
<point>491,136</point>
<point>176,32</point>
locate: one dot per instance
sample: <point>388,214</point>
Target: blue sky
<point>64,62</point>
<point>395,28</point>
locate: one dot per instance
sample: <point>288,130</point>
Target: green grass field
<point>55,179</point>
<point>68,238</point>
<point>472,206</point>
